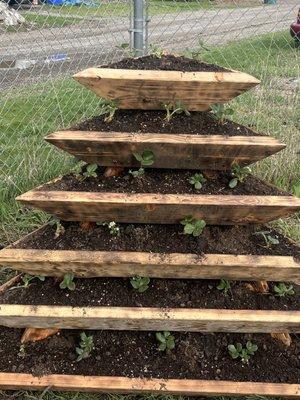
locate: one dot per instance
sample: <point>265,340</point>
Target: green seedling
<point>239,175</point>
<point>220,112</point>
<point>145,159</point>
<point>193,226</point>
<point>244,353</point>
<point>166,341</point>
<point>109,108</point>
<point>26,278</point>
<point>282,290</point>
<point>82,171</point>
<point>86,346</point>
<point>197,180</point>
<point>269,240</point>
<point>67,282</point>
<point>156,51</point>
<point>113,228</point>
<point>22,351</point>
<point>224,286</point>
<point>125,48</point>
<point>177,108</point>
<point>139,283</point>
<point>59,229</point>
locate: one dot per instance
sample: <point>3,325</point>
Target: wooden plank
<point>90,264</point>
<point>118,384</point>
<point>188,151</point>
<point>157,208</point>
<point>137,89</point>
<point>149,319</point>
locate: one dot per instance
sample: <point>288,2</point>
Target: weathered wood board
<point>149,319</point>
<point>142,89</point>
<point>116,384</point>
<point>89,264</point>
<point>160,208</point>
<point>188,151</point>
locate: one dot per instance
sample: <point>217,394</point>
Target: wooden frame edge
<point>117,384</point>
<point>149,319</point>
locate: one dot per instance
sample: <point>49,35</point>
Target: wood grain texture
<point>89,264</point>
<point>116,384</point>
<point>137,89</point>
<point>158,208</point>
<point>188,151</point>
<point>149,319</point>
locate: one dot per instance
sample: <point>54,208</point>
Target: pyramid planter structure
<point>156,202</point>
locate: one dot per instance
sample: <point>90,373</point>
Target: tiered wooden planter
<point>149,90</point>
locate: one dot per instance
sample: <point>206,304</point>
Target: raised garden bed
<point>160,251</point>
<point>196,142</point>
<point>155,86</point>
<point>161,196</point>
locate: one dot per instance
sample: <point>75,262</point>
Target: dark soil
<point>135,354</point>
<point>159,238</point>
<point>162,292</point>
<point>166,63</point>
<point>137,121</point>
<point>164,181</point>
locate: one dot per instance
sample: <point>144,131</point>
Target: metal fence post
<point>139,23</point>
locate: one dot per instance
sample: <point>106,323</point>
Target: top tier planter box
<point>150,90</point>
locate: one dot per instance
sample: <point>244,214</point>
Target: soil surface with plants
<point>162,293</point>
<point>138,121</point>
<point>166,62</point>
<point>161,238</point>
<point>135,354</point>
<point>164,181</point>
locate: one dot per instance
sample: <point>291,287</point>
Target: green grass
<point>48,21</point>
<point>27,116</point>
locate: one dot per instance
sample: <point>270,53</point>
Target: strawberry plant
<point>269,240</point>
<point>86,346</point>
<point>59,229</point>
<point>239,174</point>
<point>145,159</point>
<point>166,341</point>
<point>177,108</point>
<point>113,228</point>
<point>67,282</point>
<point>282,290</point>
<point>139,283</point>
<point>82,171</point>
<point>109,109</point>
<point>224,286</point>
<point>193,226</point>
<point>26,278</point>
<point>220,112</point>
<point>197,180</point>
<point>244,353</point>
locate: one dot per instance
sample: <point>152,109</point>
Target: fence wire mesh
<point>39,55</point>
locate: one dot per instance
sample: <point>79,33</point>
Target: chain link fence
<point>39,56</point>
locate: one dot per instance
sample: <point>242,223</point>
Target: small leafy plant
<point>82,171</point>
<point>244,353</point>
<point>125,47</point>
<point>113,228</point>
<point>67,282</point>
<point>109,108</point>
<point>224,286</point>
<point>156,50</point>
<point>197,180</point>
<point>59,229</point>
<point>166,341</point>
<point>269,240</point>
<point>220,112</point>
<point>282,290</point>
<point>139,283</point>
<point>177,108</point>
<point>193,226</point>
<point>239,174</point>
<point>86,346</point>
<point>26,278</point>
<point>145,159</point>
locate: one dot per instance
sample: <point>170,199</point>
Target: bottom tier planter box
<point>116,384</point>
